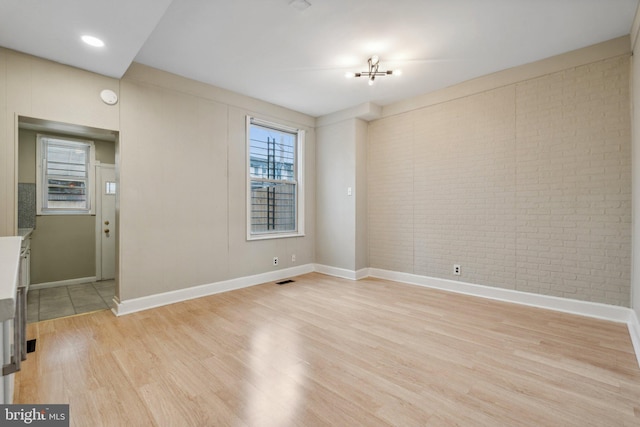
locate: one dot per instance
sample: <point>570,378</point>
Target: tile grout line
<point>100,295</point>
<point>97,298</point>
<point>75,311</point>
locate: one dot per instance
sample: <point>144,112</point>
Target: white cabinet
<point>12,315</point>
<point>25,262</point>
<point>9,281</point>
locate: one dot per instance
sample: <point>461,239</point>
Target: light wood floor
<point>325,351</point>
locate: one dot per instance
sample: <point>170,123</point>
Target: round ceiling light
<point>92,41</point>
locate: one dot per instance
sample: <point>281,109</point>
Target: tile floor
<point>51,303</point>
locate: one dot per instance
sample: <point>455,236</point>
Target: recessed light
<point>92,41</point>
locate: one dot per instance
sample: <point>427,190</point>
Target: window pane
<point>273,207</point>
<point>66,175</point>
<point>272,154</point>
<point>66,154</point>
<point>66,169</point>
<point>66,190</point>
<point>109,187</point>
<point>66,194</point>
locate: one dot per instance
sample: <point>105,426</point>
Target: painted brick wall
<point>527,187</point>
<point>573,142</point>
<point>390,193</point>
<point>465,188</point>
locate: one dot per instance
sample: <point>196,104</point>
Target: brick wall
<point>390,193</point>
<point>527,186</point>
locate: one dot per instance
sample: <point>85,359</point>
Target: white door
<point>106,222</point>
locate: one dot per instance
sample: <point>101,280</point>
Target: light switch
<point>348,191</point>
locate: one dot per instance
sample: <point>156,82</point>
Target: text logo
<point>34,415</point>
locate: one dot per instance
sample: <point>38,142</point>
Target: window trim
<point>299,171</point>
<point>41,176</point>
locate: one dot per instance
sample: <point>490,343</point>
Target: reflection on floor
<point>51,303</point>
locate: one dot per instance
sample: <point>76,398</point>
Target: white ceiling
<point>272,51</point>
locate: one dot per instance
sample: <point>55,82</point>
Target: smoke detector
<point>301,5</point>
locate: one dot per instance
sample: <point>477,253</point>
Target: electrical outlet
<point>293,258</point>
<point>456,269</point>
<point>275,260</point>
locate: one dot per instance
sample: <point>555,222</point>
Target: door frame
<point>98,230</point>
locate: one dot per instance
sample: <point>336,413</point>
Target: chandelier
<point>374,71</point>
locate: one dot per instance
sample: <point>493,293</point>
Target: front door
<point>106,222</point>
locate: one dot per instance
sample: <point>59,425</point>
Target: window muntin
<point>65,176</point>
<point>274,185</point>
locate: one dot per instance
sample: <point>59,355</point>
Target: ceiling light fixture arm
<point>374,70</point>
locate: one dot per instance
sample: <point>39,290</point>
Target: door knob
<point>106,223</point>
<point>106,230</point>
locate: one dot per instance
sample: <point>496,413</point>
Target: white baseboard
<point>157,300</point>
<point>67,282</point>
<point>342,272</point>
<point>115,302</point>
<point>634,332</point>
<point>363,273</point>
<point>584,308</point>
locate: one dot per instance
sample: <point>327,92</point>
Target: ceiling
<point>272,50</point>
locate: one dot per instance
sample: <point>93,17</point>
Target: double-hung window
<point>64,176</point>
<point>275,193</point>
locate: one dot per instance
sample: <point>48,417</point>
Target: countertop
<point>9,267</point>
<point>24,232</point>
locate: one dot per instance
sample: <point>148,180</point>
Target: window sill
<point>65,213</point>
<point>253,237</point>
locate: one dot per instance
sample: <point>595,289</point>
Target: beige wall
<point>341,155</point>
<point>181,160</point>
<point>26,156</point>
<point>183,186</point>
<point>362,221</point>
<point>635,127</point>
<point>63,247</point>
<point>42,89</point>
<point>336,221</point>
<point>526,185</point>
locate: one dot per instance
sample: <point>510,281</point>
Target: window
<point>110,188</point>
<point>64,176</point>
<point>275,196</point>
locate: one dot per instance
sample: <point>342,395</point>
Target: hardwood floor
<point>326,351</point>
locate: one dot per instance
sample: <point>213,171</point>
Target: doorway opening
<point>71,258</point>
